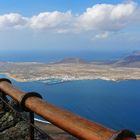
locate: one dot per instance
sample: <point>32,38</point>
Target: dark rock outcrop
<point>12,126</point>
<point>14,122</point>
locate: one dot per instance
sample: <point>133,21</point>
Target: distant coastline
<point>56,80</point>
<point>71,69</point>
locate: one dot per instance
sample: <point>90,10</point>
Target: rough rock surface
<point>12,126</point>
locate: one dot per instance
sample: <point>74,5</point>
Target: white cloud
<point>101,19</point>
<point>102,35</point>
<point>12,20</point>
<point>51,20</point>
<point>107,17</point>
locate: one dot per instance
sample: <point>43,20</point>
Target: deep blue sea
<point>113,104</point>
<point>53,56</point>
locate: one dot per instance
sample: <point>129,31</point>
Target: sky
<point>104,25</point>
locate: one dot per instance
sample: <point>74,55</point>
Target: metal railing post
<point>31,114</point>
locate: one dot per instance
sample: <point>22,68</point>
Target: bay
<point>113,104</point>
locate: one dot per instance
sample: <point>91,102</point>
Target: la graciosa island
<point>69,69</point>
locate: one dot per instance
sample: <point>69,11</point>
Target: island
<point>127,68</point>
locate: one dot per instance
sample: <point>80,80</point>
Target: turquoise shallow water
<point>113,104</point>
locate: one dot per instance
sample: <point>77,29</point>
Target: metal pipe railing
<point>71,123</point>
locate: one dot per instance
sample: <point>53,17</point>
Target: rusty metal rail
<point>75,125</point>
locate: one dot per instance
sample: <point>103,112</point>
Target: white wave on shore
<point>43,121</point>
<point>52,81</point>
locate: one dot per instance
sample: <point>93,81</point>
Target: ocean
<point>113,104</point>
<point>48,56</point>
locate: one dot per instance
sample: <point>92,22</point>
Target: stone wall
<point>12,126</point>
